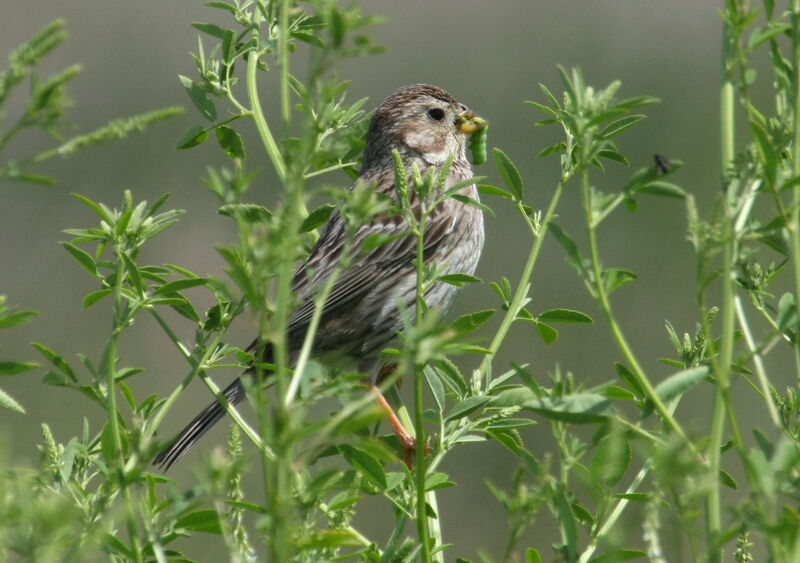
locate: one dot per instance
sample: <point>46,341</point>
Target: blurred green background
<point>490,55</point>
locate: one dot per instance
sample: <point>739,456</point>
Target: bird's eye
<point>436,114</point>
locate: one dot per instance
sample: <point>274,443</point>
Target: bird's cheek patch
<point>432,147</point>
<point>422,141</point>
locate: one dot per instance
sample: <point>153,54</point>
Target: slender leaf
<point>508,172</point>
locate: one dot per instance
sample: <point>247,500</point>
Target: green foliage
<point>623,453</point>
<point>46,106</point>
<point>10,317</point>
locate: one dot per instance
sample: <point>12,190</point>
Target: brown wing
<point>367,268</point>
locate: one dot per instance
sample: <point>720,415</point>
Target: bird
<point>363,311</point>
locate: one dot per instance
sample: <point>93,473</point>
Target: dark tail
<point>201,424</point>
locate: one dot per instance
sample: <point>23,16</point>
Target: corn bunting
<point>363,311</point>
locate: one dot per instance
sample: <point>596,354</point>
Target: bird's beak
<point>467,122</point>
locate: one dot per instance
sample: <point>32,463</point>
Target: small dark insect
<point>662,164</point>
<point>477,146</point>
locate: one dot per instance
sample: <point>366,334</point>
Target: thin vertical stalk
<point>605,306</point>
<point>523,286</point>
<point>794,224</point>
<point>283,54</point>
<point>419,428</point>
<point>722,363</point>
<point>110,369</point>
<point>276,473</point>
<point>263,129</point>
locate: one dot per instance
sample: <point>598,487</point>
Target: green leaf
<point>308,38</point>
<point>541,107</point>
<point>664,189</point>
<point>436,387</point>
<point>210,28</point>
<point>81,257</point>
<point>567,244</point>
<point>677,384</point>
<point>473,203</point>
<point>231,142</point>
<point>125,373</point>
<point>134,277</point>
<point>485,189</point>
<point>199,98</point>
<point>55,379</point>
<point>13,368</point>
<point>471,321</point>
<point>8,402</point>
<point>459,279</point>
<point>787,312</point>
<point>317,218</point>
<point>191,137</point>
<point>552,149</point>
<point>612,457</point>
<point>508,172</point>
<point>615,278</point>
<point>547,333</point>
<point>532,556</point>
<point>337,27</point>
<point>630,380</point>
<point>369,467</point>
<point>609,154</point>
<point>56,360</point>
<point>616,127</point>
<point>566,521</point>
<point>328,539</point>
<point>514,397</point>
<point>115,545</point>
<point>98,208</point>
<point>180,285</point>
<point>451,375</point>
<point>770,159</point>
<point>578,408</point>
<point>31,178</point>
<point>726,479</point>
<point>94,297</point>
<point>206,520</point>
<point>222,6</point>
<point>250,212</point>
<point>437,480</point>
<point>565,316</point>
<point>15,319</point>
<point>510,423</point>
<point>465,407</point>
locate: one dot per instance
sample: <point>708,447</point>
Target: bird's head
<point>421,121</point>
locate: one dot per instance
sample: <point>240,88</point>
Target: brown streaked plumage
<point>361,315</point>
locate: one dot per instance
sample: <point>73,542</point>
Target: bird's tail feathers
<point>202,423</point>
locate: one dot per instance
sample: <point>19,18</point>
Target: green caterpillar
<point>477,145</point>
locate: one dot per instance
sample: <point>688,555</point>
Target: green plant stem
<point>605,306</point>
<point>327,169</point>
<point>419,429</point>
<point>110,368</point>
<point>283,54</point>
<point>12,132</point>
<point>277,473</point>
<point>264,132</point>
<point>615,514</point>
<point>308,340</point>
<point>197,371</point>
<point>523,286</point>
<point>794,224</point>
<point>722,363</point>
<point>761,373</point>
